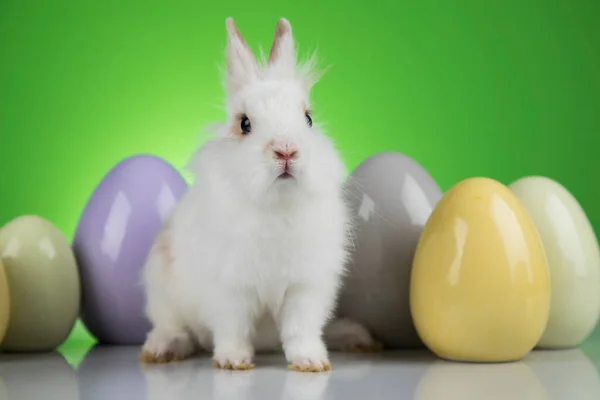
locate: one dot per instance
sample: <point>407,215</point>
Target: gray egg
<point>391,197</point>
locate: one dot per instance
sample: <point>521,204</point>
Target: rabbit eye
<point>245,125</point>
<point>308,118</point>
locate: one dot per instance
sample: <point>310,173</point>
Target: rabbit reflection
<point>193,378</point>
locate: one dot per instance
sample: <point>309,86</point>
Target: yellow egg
<point>4,304</point>
<point>44,285</point>
<point>480,285</point>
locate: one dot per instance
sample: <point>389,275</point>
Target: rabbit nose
<point>285,154</point>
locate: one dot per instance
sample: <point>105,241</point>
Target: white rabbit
<point>253,255</point>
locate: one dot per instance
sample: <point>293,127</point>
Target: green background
<point>467,88</point>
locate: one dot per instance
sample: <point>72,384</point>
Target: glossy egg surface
<point>480,287</point>
<point>115,233</point>
<point>43,283</point>
<point>573,258</point>
<point>391,196</point>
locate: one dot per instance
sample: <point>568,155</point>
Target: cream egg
<point>573,258</point>
<point>44,284</point>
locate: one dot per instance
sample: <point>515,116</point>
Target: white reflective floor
<point>114,373</point>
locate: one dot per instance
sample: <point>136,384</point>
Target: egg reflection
<point>391,375</point>
<point>108,372</point>
<point>540,376</point>
<point>447,380</point>
<point>35,376</point>
<point>566,374</point>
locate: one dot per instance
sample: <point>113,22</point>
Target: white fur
<point>257,261</point>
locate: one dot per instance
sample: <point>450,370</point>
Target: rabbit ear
<point>283,51</point>
<point>241,63</point>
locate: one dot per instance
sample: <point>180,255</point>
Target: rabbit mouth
<point>285,175</point>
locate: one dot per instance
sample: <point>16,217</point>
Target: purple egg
<point>113,239</point>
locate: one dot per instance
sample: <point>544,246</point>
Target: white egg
<point>573,259</point>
